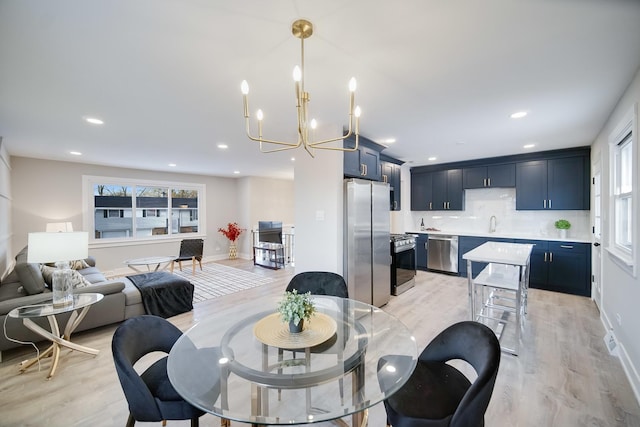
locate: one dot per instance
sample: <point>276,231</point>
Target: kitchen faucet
<point>492,224</point>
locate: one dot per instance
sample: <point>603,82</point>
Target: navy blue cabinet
<point>556,184</point>
<point>363,162</point>
<point>447,190</point>
<point>503,175</point>
<point>422,191</point>
<point>421,251</point>
<point>560,266</point>
<point>391,175</point>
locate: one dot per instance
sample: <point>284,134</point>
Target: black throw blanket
<point>164,294</point>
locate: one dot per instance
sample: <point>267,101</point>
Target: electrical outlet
<point>619,319</point>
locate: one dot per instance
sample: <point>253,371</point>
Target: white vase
<point>563,233</point>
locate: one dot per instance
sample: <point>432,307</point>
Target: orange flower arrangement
<point>232,232</point>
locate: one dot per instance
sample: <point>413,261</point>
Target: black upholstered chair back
<point>477,345</point>
<point>133,339</point>
<point>190,248</point>
<point>319,283</point>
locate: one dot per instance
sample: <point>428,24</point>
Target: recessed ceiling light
<point>389,141</point>
<point>293,159</point>
<point>431,159</point>
<point>460,142</point>
<point>529,145</point>
<point>75,153</point>
<point>172,165</point>
<point>236,172</point>
<point>223,146</point>
<point>518,115</point>
<point>93,120</point>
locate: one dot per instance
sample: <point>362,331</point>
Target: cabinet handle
<point>544,204</point>
<point>448,205</point>
<point>545,257</point>
<point>366,170</point>
<point>430,205</point>
<point>395,204</point>
<point>484,182</point>
<point>566,246</point>
<point>489,181</point>
<point>361,169</point>
<point>550,256</point>
<point>549,203</point>
<point>384,179</point>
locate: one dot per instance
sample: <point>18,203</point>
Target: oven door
<point>403,270</point>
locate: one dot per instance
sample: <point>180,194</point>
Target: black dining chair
<point>324,283</point>
<point>150,395</point>
<point>190,250</point>
<point>437,394</point>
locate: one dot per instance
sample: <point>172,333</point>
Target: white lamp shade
<point>54,247</point>
<point>64,227</point>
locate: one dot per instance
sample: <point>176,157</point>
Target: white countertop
<point>501,253</point>
<point>502,235</point>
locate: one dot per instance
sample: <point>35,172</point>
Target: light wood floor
<point>564,375</point>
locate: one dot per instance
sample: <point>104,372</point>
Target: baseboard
<point>627,364</point>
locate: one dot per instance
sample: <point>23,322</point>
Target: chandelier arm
<point>253,138</point>
<point>316,145</point>
<point>293,147</point>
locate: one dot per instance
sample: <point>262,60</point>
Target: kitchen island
<point>507,271</point>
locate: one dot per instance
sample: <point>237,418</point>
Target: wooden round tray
<point>272,331</point>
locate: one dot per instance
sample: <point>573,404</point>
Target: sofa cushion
<point>30,277</point>
<point>93,274</point>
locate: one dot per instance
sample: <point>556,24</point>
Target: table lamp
<point>59,248</point>
<point>59,227</point>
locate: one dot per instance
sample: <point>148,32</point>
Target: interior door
<point>596,251</point>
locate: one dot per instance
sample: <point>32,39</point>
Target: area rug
<point>216,280</point>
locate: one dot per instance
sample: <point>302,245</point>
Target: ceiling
<point>441,77</point>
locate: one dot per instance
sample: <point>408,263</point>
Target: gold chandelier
<point>303,29</point>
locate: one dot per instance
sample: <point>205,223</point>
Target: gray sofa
<point>26,285</point>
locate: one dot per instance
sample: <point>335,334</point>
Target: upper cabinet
<point>422,191</point>
<point>363,162</point>
<point>447,190</point>
<point>549,180</point>
<point>391,175</point>
<point>437,191</point>
<point>489,176</point>
<point>554,184</point>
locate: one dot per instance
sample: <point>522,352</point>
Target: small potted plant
<point>295,308</point>
<point>563,225</point>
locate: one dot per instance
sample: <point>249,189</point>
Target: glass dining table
<point>243,364</point>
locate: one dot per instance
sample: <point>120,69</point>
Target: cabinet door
<point>395,183</point>
<point>455,192</point>
<point>370,158</point>
<point>421,192</point>
<point>474,177</point>
<point>501,175</point>
<point>440,196</point>
<point>387,171</point>
<point>352,165</point>
<point>421,251</point>
<point>566,184</point>
<point>538,263</point>
<point>569,268</point>
<point>465,244</point>
<point>531,185</point>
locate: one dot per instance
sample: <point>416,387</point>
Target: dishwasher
<point>442,253</point>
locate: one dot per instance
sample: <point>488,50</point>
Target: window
<point>623,191</point>
<point>121,210</point>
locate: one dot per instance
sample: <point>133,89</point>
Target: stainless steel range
<point>403,262</point>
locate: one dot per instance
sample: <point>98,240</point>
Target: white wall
<point>5,211</point>
<point>51,191</point>
<point>319,210</point>
<point>620,290</point>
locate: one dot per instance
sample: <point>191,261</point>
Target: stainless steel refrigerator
<point>367,253</point>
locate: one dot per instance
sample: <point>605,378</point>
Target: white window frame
<point>624,256</point>
<point>88,183</point>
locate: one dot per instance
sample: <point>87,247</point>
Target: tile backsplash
<point>481,204</point>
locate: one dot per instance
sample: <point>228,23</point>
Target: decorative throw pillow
<point>77,264</point>
<point>77,279</point>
